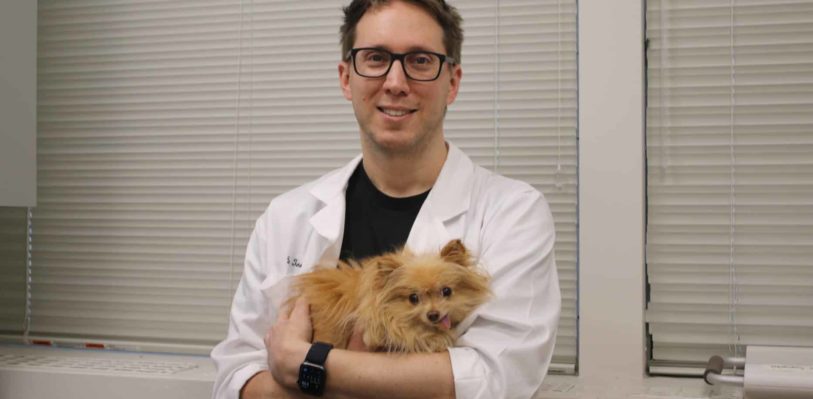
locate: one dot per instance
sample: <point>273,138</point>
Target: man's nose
<point>396,80</point>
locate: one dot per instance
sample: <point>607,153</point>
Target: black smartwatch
<point>312,374</point>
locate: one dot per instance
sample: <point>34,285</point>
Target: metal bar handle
<point>714,371</point>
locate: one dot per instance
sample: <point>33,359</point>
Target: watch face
<point>311,379</point>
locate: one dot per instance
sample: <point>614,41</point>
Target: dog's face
<point>432,293</point>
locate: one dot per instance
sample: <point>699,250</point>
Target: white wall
<point>18,96</point>
<point>611,190</point>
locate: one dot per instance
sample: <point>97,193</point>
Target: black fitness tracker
<point>312,374</point>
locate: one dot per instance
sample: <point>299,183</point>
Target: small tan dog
<point>402,302</point>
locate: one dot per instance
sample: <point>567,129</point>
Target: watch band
<point>317,354</point>
<point>312,373</point>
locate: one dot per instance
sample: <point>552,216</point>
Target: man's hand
<point>287,343</point>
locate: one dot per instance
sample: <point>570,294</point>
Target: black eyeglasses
<point>422,66</point>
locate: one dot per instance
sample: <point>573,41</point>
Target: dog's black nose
<point>433,316</point>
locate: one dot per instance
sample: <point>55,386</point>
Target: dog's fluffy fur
<point>403,302</point>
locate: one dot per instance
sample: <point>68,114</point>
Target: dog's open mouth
<point>445,323</point>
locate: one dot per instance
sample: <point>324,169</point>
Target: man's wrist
<point>312,371</point>
<point>292,362</point>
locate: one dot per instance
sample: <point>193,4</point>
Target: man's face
<point>397,115</point>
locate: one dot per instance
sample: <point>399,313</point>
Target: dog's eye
<point>413,299</point>
<point>446,291</point>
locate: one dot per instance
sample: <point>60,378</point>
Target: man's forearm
<point>263,386</point>
<point>378,375</point>
<point>361,375</point>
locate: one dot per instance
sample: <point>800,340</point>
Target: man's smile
<point>396,111</point>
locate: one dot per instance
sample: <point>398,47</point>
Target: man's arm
<point>242,353</point>
<point>351,374</point>
<point>263,386</point>
<point>378,375</point>
<point>386,379</point>
<point>506,351</point>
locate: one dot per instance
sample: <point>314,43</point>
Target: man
<point>400,69</point>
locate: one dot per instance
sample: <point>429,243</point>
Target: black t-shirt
<point>375,223</point>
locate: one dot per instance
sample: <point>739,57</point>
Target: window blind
<point>13,258</point>
<point>165,128</point>
<point>516,114</point>
<point>730,178</point>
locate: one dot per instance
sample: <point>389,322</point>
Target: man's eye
<point>422,60</point>
<point>376,57</point>
<point>413,299</point>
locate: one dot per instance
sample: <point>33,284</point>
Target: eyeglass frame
<point>351,56</point>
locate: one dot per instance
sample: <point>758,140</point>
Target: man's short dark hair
<point>447,17</point>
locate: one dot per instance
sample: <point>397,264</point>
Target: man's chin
<point>402,141</point>
<point>394,144</point>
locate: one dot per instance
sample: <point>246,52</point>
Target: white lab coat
<point>506,224</point>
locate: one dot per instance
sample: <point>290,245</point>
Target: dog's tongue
<point>445,322</point>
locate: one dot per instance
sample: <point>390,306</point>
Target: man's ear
<point>454,83</point>
<point>344,79</point>
<point>456,252</point>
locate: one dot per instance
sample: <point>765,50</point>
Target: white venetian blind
<point>165,128</point>
<point>730,177</point>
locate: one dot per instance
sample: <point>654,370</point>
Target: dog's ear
<point>456,252</point>
<point>384,266</point>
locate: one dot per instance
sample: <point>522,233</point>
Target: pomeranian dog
<point>403,302</point>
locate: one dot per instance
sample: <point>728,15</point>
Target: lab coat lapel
<point>433,227</point>
<point>328,222</point>
<point>450,197</point>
